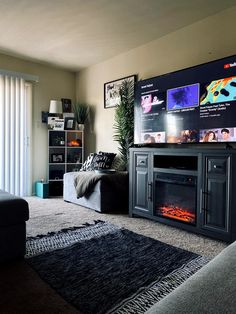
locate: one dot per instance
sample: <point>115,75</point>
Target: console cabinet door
<point>215,194</point>
<point>143,184</point>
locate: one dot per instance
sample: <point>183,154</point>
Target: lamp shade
<point>55,106</point>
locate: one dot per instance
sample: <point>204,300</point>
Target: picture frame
<point>51,120</point>
<point>111,91</point>
<point>66,105</point>
<point>68,115</point>
<point>57,158</point>
<point>59,124</point>
<point>69,123</point>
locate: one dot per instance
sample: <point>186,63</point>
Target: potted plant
<point>81,111</point>
<point>124,121</point>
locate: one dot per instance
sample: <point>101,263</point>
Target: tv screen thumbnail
<point>192,105</point>
<point>183,97</point>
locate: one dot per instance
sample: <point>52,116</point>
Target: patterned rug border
<point>64,230</point>
<point>146,297</point>
<point>41,244</point>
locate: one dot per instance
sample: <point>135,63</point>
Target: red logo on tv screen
<point>229,65</point>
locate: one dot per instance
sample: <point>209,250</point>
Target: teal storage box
<point>41,189</point>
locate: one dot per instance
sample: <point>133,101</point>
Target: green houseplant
<point>81,111</point>
<point>124,121</point>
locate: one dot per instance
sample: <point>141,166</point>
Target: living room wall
<point>206,40</point>
<point>53,83</point>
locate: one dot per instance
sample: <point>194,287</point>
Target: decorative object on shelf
<point>51,120</point>
<point>81,112</point>
<point>66,104</point>
<point>55,106</point>
<point>68,115</point>
<point>124,120</point>
<point>57,140</point>
<point>59,124</point>
<point>80,127</point>
<point>57,158</point>
<point>69,123</point>
<point>112,96</point>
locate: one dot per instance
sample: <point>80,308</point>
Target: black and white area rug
<point>103,268</point>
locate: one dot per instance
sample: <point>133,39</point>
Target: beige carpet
<point>21,289</point>
<point>54,214</point>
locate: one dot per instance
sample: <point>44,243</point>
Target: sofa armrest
<point>211,290</point>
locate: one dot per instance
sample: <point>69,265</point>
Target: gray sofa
<point>14,212</point>
<point>104,196</point>
<point>211,290</point>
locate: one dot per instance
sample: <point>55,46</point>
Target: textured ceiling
<point>74,34</point>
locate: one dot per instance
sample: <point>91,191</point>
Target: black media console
<point>187,188</point>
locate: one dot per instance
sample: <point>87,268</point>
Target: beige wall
<point>53,84</point>
<point>201,42</point>
<point>209,39</point>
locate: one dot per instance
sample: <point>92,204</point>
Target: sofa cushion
<point>13,209</point>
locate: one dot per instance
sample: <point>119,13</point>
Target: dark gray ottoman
<point>14,212</point>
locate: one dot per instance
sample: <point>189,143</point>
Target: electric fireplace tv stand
<point>187,188</point>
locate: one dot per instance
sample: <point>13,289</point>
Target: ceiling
<point>74,34</point>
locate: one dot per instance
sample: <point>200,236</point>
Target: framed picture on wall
<point>112,91</point>
<point>66,104</point>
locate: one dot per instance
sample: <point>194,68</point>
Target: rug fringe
<point>50,233</point>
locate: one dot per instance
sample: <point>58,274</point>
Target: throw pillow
<point>88,164</point>
<point>118,164</point>
<point>103,160</point>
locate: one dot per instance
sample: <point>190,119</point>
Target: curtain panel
<point>15,134</point>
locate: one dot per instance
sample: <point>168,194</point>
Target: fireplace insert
<point>175,197</point>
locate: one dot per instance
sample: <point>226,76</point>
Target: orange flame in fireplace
<point>177,213</point>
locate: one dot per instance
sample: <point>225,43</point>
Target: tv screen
<point>193,105</point>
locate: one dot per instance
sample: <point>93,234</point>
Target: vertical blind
<point>15,135</point>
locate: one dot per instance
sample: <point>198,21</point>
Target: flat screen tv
<point>193,105</point>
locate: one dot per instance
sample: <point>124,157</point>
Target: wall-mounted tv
<point>192,105</point>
